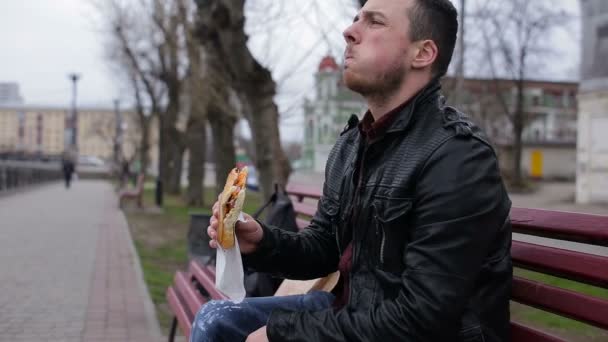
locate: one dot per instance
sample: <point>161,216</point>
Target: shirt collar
<point>374,129</point>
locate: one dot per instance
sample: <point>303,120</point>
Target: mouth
<point>348,59</point>
<point>348,54</point>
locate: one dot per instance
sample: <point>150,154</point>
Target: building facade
<point>550,122</point>
<point>327,114</point>
<point>32,130</point>
<point>592,144</point>
<point>550,108</point>
<point>549,136</point>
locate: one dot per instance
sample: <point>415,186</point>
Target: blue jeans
<point>223,320</point>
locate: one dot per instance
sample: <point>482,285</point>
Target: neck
<point>382,103</point>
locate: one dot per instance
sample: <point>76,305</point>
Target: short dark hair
<point>436,20</point>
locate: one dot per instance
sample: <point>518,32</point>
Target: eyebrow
<point>369,15</point>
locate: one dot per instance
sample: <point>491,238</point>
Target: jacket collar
<point>429,93</point>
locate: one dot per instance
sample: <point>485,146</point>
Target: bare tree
<point>144,121</point>
<point>172,71</point>
<point>125,48</point>
<point>130,49</point>
<point>515,36</point>
<point>454,86</point>
<point>153,41</point>
<point>196,102</point>
<point>221,31</point>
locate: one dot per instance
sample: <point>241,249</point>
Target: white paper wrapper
<point>229,272</point>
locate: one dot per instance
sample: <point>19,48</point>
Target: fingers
<point>216,209</point>
<point>212,232</point>
<point>213,226</point>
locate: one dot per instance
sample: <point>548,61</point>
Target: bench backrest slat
<point>302,191</point>
<point>191,297</point>
<point>206,279</point>
<point>304,209</point>
<point>586,228</point>
<point>563,302</point>
<point>183,318</point>
<point>582,267</point>
<point>522,333</point>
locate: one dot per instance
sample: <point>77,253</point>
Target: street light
<point>73,121</point>
<point>118,133</point>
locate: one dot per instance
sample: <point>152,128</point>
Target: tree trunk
<point>271,161</point>
<point>163,154</point>
<point>175,145</point>
<point>177,163</point>
<point>196,139</point>
<point>144,157</point>
<point>518,126</point>
<point>222,128</point>
<point>221,30</point>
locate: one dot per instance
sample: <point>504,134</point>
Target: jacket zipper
<point>382,246</point>
<point>383,239</point>
<point>337,233</point>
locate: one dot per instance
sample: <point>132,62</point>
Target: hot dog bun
<point>231,205</point>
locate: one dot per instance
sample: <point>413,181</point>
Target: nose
<point>350,34</point>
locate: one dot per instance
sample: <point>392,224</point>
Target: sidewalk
<point>68,268</point>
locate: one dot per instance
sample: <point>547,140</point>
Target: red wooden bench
<point>136,194</point>
<point>193,288</point>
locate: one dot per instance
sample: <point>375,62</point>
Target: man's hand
<point>248,233</point>
<point>258,335</point>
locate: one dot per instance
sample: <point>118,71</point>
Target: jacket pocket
<point>472,334</point>
<point>331,207</point>
<point>391,227</point>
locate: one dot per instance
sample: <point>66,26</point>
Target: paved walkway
<point>68,270</point>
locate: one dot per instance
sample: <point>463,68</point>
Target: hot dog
<point>231,204</point>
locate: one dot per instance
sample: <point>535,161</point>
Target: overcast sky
<point>44,40</point>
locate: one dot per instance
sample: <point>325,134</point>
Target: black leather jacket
<point>432,239</point>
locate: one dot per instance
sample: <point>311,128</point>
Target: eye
<point>374,21</point>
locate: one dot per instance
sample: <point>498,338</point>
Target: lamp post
<point>118,133</point>
<point>73,120</point>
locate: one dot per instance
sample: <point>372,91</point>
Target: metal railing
<point>15,175</point>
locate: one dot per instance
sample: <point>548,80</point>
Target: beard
<point>380,84</point>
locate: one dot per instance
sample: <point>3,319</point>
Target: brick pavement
<point>68,270</point>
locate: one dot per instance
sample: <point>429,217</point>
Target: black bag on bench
<point>280,214</point>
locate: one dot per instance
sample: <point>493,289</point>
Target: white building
<point>592,144</point>
<point>327,114</point>
<point>9,94</point>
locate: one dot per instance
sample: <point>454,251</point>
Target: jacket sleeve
<point>460,205</point>
<point>308,254</point>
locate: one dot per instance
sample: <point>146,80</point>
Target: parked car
<point>90,161</point>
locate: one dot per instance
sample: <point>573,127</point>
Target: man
<point>414,213</point>
<point>67,166</point>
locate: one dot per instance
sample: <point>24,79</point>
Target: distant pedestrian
<point>68,169</point>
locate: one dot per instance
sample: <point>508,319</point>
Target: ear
<point>426,54</point>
